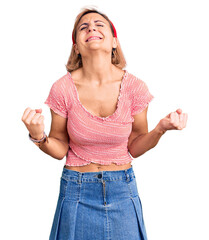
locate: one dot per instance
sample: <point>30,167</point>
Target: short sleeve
<point>56,99</point>
<point>141,96</point>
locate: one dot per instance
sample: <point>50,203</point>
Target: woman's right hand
<point>34,122</point>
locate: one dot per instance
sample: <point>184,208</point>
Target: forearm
<point>55,148</point>
<point>143,143</point>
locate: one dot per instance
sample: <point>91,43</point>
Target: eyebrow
<point>87,23</point>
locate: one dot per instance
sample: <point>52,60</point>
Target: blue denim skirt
<point>102,205</point>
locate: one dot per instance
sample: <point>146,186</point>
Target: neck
<point>97,67</point>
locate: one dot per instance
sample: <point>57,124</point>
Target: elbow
<point>61,157</point>
<point>57,157</point>
<point>135,154</point>
<point>64,151</point>
<point>131,153</point>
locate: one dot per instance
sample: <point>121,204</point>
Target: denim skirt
<point>102,205</point>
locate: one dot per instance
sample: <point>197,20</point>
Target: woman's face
<point>94,33</point>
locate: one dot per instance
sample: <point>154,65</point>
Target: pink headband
<point>115,33</point>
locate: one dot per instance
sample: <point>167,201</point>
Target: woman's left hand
<point>173,121</point>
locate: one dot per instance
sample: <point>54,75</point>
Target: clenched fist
<point>34,122</point>
<point>173,121</point>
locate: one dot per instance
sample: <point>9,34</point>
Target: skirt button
<point>100,175</point>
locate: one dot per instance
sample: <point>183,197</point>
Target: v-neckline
<point>118,100</point>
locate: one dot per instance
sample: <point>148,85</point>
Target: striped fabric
<point>102,140</point>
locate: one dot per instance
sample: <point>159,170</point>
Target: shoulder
<point>62,88</point>
<point>62,84</point>
<point>63,80</point>
<point>134,83</point>
<point>138,93</point>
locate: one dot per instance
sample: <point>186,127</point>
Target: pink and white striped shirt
<point>102,140</point>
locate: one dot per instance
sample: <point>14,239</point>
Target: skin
<point>97,77</point>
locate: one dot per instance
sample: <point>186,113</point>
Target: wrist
<point>159,129</point>
<point>39,144</point>
<point>37,137</point>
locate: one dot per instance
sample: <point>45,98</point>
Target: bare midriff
<point>94,167</point>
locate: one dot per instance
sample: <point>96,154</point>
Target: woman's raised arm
<point>140,140</point>
<point>57,145</point>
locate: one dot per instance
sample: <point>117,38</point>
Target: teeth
<point>93,38</point>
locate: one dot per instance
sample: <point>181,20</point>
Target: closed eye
<point>96,25</point>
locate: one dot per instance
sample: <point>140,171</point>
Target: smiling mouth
<point>93,38</point>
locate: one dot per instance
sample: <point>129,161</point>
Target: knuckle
<point>40,121</point>
<point>180,127</point>
<point>27,122</point>
<point>175,124</point>
<point>33,121</point>
<point>41,118</point>
<point>31,112</point>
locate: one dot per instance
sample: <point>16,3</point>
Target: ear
<point>76,48</point>
<point>115,42</point>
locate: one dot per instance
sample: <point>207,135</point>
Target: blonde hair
<point>75,60</point>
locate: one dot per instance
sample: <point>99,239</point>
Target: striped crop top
<point>102,140</point>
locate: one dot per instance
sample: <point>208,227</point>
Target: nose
<point>91,28</point>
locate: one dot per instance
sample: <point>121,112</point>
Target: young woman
<point>99,122</point>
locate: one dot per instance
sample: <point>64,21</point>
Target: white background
<point>166,45</point>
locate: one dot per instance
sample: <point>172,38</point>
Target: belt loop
<point>127,176</point>
<point>79,177</point>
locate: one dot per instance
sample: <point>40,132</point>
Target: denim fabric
<point>102,205</point>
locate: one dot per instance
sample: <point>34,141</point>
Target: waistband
<point>100,176</point>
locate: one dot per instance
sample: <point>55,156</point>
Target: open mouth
<point>93,38</point>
